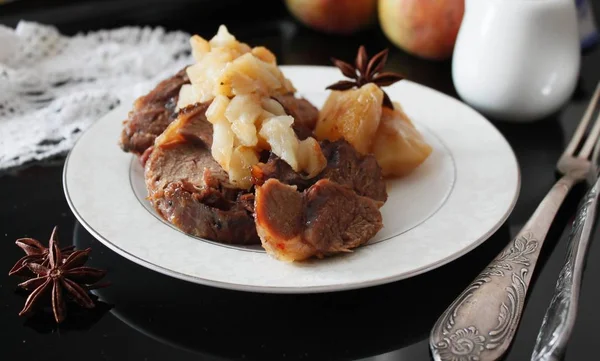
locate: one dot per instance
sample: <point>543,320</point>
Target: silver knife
<point>560,316</point>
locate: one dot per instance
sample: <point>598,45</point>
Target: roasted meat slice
<point>344,166</point>
<point>189,189</point>
<point>189,126</point>
<point>279,169</point>
<point>207,214</point>
<point>186,161</point>
<point>348,167</point>
<point>304,113</point>
<point>326,219</point>
<point>151,114</point>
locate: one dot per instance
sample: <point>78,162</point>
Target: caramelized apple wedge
<point>357,115</point>
<point>398,146</point>
<point>353,115</point>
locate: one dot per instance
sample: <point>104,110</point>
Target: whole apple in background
<point>334,16</point>
<point>425,28</point>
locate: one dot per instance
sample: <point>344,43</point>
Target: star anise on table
<point>365,71</point>
<point>64,278</point>
<point>35,252</point>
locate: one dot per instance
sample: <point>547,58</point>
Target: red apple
<point>334,16</point>
<point>425,28</point>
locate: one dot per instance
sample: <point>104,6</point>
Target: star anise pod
<point>35,252</point>
<point>365,71</point>
<point>68,279</point>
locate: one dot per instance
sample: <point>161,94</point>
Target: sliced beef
<point>190,125</point>
<point>325,219</point>
<point>188,162</point>
<point>304,113</point>
<point>205,213</point>
<point>189,189</point>
<point>151,114</point>
<point>246,200</point>
<point>277,168</point>
<point>344,166</point>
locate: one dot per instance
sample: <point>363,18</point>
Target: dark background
<point>148,316</point>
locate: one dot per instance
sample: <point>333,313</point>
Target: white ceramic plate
<point>453,202</point>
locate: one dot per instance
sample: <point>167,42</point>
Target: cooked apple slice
<point>398,146</point>
<point>353,115</point>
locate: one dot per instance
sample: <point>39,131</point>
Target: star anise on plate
<point>35,252</point>
<point>65,279</point>
<point>365,71</point>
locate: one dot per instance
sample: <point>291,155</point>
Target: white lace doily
<point>52,87</point>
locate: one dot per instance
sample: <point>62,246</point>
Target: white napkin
<point>53,87</point>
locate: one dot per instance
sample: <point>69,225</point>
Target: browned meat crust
<point>189,189</point>
<point>151,114</point>
<point>206,213</point>
<point>326,219</point>
<point>344,166</point>
<point>304,113</point>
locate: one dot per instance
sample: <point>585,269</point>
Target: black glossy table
<point>146,316</point>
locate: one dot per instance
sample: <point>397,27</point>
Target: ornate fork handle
<point>481,322</point>
<point>560,315</point>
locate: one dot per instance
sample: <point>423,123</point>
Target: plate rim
<point>304,289</point>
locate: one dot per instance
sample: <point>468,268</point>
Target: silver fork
<point>481,322</point>
<point>560,316</point>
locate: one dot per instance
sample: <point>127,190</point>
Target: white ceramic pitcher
<point>517,60</point>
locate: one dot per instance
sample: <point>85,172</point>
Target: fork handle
<point>560,316</point>
<point>480,324</point>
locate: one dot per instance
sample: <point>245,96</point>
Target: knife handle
<point>481,322</point>
<point>560,316</point>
